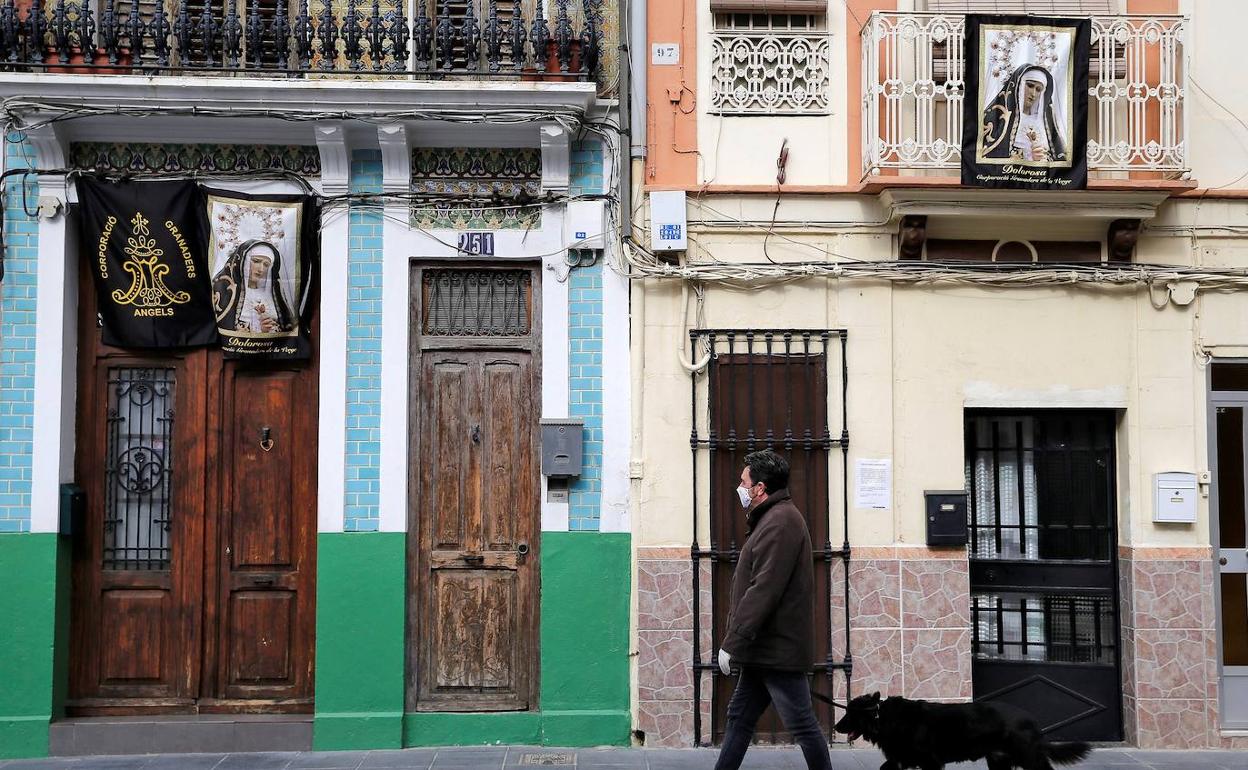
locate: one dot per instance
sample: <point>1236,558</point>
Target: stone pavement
<point>520,758</point>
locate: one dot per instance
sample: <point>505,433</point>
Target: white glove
<point>725,662</point>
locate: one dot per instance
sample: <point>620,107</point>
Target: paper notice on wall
<point>873,483</point>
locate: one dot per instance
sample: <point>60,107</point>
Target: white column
<point>331,474</point>
<point>616,403</point>
<point>56,340</point>
<point>396,255</point>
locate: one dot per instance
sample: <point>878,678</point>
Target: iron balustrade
<point>913,92</point>
<point>303,37</point>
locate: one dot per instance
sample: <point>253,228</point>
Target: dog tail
<point>1066,753</point>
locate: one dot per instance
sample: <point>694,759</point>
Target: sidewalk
<point>520,757</point>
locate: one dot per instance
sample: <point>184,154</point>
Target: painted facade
<point>924,356</point>
<point>378,175</point>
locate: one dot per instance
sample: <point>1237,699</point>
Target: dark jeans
<point>790,692</point>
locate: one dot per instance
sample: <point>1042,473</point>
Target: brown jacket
<point>770,623</point>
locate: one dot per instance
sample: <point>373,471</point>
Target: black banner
<point>262,249</point>
<point>1025,111</point>
<point>147,243</point>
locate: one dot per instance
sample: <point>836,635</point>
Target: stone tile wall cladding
<point>1169,649</point>
<point>910,631</point>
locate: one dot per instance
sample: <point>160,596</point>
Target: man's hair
<point>769,469</point>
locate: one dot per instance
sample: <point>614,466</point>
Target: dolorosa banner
<point>147,243</point>
<point>1025,113</point>
<point>262,250</point>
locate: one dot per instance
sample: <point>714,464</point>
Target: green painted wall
<point>360,589</point>
<point>34,633</point>
<point>584,698</point>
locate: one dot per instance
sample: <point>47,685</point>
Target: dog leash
<point>821,697</point>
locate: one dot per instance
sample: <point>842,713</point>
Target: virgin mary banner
<point>262,260</point>
<point>147,245</point>
<point>1025,115</point>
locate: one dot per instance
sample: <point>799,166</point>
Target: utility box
<point>1174,497</point>
<point>946,517</point>
<point>561,447</point>
<point>585,226</point>
<point>72,509</point>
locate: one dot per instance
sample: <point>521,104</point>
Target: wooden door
<point>474,502</point>
<point>263,614</point>
<point>188,594</point>
<point>137,556</point>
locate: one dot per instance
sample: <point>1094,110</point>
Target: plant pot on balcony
<point>77,63</point>
<point>553,72</point>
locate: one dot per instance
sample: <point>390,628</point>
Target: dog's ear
<point>875,697</point>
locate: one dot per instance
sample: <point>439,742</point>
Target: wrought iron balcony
<point>913,90</point>
<point>518,39</point>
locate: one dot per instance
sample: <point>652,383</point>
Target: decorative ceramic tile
<point>937,664</point>
<point>1170,723</point>
<point>664,666</point>
<point>875,593</point>
<point>877,661</point>
<point>119,157</point>
<point>1164,593</point>
<point>664,595</point>
<point>1170,664</point>
<point>935,594</point>
<point>667,724</point>
<point>476,188</point>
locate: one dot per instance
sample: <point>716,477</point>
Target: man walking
<point>770,635</point>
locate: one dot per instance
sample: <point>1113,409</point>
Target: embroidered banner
<point>1025,112</point>
<point>262,251</point>
<point>147,243</point>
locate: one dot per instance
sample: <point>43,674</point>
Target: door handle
<point>1222,560</point>
<point>473,560</point>
<point>522,551</point>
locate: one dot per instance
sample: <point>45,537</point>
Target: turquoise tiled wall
<point>585,353</point>
<point>363,438</point>
<point>17,341</point>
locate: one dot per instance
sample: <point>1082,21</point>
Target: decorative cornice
<point>556,158</point>
<point>331,140</point>
<point>395,161</point>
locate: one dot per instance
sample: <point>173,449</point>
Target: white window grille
<point>770,64</point>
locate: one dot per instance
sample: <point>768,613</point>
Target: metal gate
<point>1044,570</point>
<point>768,389</point>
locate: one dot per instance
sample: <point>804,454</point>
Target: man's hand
<point>725,662</point>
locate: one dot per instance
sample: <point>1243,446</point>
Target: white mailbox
<point>1174,497</point>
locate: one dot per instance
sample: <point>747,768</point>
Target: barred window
<point>476,303</point>
<point>770,63</point>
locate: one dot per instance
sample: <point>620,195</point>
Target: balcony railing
<point>301,38</point>
<point>913,90</point>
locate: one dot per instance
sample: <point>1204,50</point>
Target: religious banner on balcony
<point>147,243</point>
<point>262,250</point>
<point>1025,111</point>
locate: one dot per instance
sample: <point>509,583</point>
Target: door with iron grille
<point>193,568</point>
<point>769,389</point>
<point>1043,561</point>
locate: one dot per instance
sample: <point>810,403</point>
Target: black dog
<point>916,733</point>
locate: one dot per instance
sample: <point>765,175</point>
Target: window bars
<point>297,37</point>
<point>138,469</point>
<point>770,389</point>
<point>476,303</point>
<point>770,64</point>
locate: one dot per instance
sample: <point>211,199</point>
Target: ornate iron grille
<point>294,37</point>
<point>138,474</point>
<point>476,303</point>
<point>770,389</point>
<point>1055,629</point>
<point>770,64</point>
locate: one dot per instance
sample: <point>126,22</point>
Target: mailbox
<point>946,517</point>
<point>72,509</point>
<point>561,447</point>
<point>1174,497</point>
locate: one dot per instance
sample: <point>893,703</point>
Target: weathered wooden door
<point>263,613</point>
<point>193,567</point>
<point>474,491</point>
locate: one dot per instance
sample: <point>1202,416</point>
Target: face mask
<point>744,495</point>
